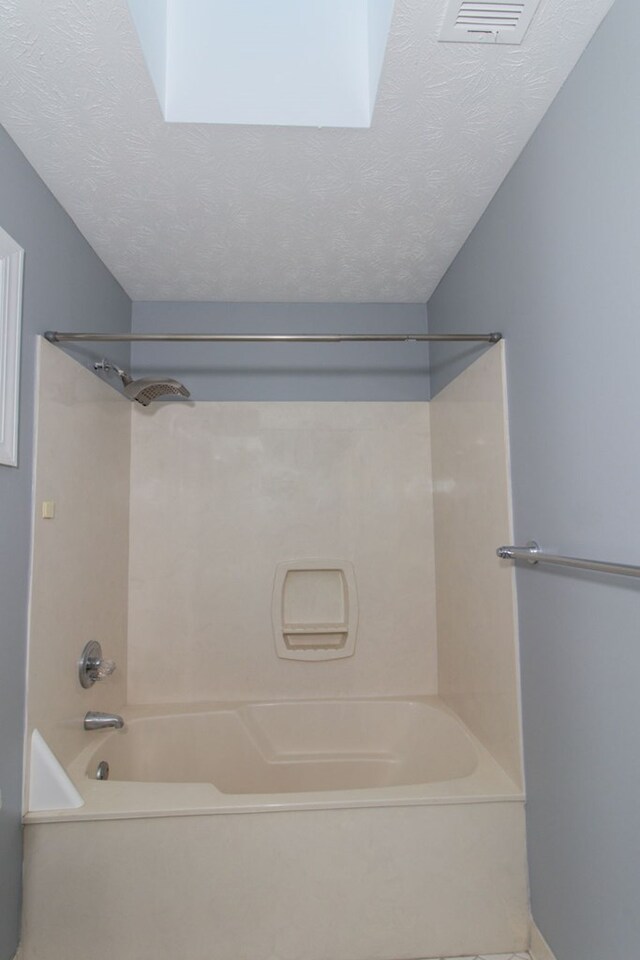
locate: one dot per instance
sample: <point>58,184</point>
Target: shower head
<point>146,389</point>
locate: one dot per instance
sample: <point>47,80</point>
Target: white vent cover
<point>488,21</point>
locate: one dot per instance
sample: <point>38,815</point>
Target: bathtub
<point>305,830</point>
<point>180,759</point>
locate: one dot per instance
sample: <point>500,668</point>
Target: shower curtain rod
<point>56,336</point>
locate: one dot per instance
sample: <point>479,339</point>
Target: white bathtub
<point>181,760</point>
<point>350,830</point>
<point>293,747</point>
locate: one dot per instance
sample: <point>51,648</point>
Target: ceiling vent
<point>487,21</point>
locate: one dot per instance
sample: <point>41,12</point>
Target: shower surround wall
<point>478,663</point>
<point>221,493</point>
<point>79,576</point>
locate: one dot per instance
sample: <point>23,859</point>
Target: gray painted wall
<point>65,286</point>
<point>343,371</point>
<point>555,264</point>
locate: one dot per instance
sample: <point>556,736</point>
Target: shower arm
<point>105,366</point>
<point>56,336</point>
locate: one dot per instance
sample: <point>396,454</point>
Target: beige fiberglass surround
<point>416,734</point>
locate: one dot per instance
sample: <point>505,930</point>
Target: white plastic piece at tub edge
<point>49,786</point>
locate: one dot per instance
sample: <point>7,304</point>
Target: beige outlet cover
<point>315,609</point>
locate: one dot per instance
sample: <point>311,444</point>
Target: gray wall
<point>65,286</point>
<point>555,264</point>
<point>343,371</point>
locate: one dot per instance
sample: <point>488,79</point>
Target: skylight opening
<point>291,62</point>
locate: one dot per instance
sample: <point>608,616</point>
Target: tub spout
<point>99,721</point>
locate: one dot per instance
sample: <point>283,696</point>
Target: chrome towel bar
<point>533,554</point>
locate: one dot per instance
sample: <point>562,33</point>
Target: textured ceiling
<point>194,212</point>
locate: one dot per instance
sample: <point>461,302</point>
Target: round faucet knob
<point>92,667</point>
<point>104,668</point>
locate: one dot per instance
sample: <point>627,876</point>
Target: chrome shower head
<point>147,389</point>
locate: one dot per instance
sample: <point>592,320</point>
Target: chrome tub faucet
<point>94,720</point>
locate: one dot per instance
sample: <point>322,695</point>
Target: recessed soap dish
<point>315,609</point>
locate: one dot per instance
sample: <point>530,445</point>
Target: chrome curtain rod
<point>55,336</point>
<point>534,554</point>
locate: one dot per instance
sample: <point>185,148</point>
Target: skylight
<point>287,62</point>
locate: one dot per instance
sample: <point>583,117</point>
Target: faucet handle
<point>92,667</point>
<point>104,669</point>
